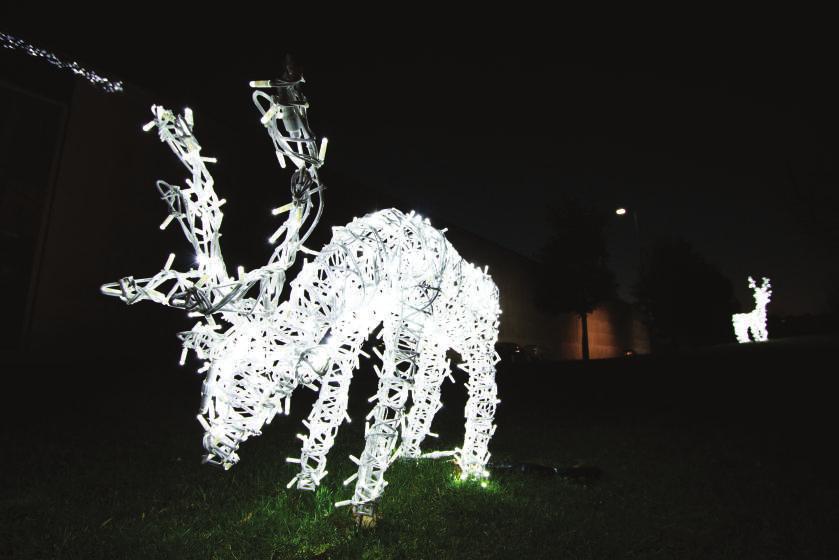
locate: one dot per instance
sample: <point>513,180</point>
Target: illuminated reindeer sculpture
<point>387,268</point>
<point>754,322</point>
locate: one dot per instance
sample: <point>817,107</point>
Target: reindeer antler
<point>286,107</point>
<point>198,207</point>
<point>206,288</point>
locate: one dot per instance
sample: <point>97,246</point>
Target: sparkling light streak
<point>386,268</point>
<point>14,43</point>
<point>754,322</point>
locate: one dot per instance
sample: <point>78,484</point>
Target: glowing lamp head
<point>620,211</point>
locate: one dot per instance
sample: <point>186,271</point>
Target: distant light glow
<point>620,211</point>
<point>386,268</point>
<point>14,43</point>
<point>751,326</point>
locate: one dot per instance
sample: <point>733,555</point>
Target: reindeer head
<point>249,379</point>
<point>761,293</point>
<point>251,364</point>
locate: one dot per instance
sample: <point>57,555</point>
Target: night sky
<point>730,144</point>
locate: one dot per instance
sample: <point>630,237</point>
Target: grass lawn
<point>726,454</point>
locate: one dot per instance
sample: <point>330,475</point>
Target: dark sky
<point>730,143</point>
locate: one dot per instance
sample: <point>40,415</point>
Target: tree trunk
<point>584,324</point>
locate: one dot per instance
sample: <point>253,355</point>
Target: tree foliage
<point>687,300</point>
<point>575,258</point>
<point>575,276</point>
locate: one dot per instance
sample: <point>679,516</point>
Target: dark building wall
<point>103,225</point>
<point>614,327</point>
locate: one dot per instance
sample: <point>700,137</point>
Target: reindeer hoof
<point>366,515</point>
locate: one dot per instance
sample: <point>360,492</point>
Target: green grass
<point>109,484</point>
<point>141,501</point>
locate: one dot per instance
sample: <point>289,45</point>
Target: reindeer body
<point>751,326</point>
<point>386,268</point>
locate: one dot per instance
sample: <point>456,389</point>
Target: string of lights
<point>386,268</point>
<point>15,43</point>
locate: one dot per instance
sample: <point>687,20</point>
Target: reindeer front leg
<point>381,436</point>
<point>323,422</point>
<point>338,357</point>
<point>741,327</point>
<point>386,419</point>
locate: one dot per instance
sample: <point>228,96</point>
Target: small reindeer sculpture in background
<point>754,322</point>
<point>387,268</point>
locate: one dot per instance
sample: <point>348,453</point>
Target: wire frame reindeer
<point>751,326</point>
<point>386,268</point>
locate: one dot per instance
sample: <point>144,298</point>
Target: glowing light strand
<point>15,43</point>
<point>386,268</point>
<point>751,326</point>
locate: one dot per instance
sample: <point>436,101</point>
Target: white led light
<point>386,268</point>
<point>754,322</point>
<point>324,142</point>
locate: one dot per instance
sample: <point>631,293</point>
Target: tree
<point>575,275</point>
<point>687,300</point>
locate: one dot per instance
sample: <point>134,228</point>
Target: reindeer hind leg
<point>432,370</point>
<point>475,335</point>
<point>480,410</point>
